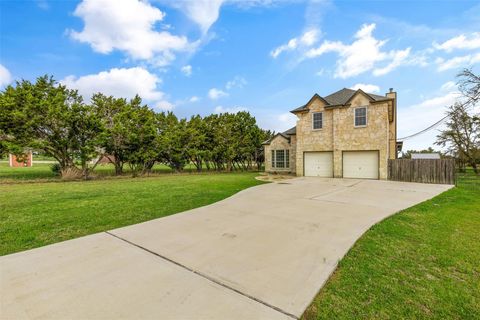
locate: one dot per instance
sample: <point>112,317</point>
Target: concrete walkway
<point>262,254</point>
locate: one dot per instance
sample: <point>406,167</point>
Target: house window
<point>317,120</point>
<point>361,117</point>
<point>280,159</point>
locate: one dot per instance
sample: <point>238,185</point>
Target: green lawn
<point>422,263</point>
<point>37,214</point>
<point>42,171</point>
<point>38,171</point>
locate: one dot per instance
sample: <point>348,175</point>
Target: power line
<point>436,124</point>
<point>424,130</point>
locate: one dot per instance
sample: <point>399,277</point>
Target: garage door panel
<point>318,164</point>
<point>360,164</point>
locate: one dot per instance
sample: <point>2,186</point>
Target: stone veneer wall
<point>375,136</point>
<point>339,133</point>
<point>393,127</point>
<point>281,143</point>
<point>313,140</point>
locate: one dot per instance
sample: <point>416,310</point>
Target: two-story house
<point>349,134</point>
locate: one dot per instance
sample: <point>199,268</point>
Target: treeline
<point>48,116</point>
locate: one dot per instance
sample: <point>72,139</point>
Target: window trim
<point>286,160</point>
<point>355,117</point>
<point>313,120</point>
<point>277,162</point>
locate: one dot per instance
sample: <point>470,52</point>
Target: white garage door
<point>318,164</point>
<point>360,164</point>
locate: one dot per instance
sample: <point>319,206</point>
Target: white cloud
<point>320,73</point>
<point>121,83</point>
<point>128,26</point>
<point>42,4</point>
<point>287,119</point>
<point>5,76</point>
<point>237,82</point>
<point>204,13</point>
<point>290,45</point>
<point>221,109</point>
<point>194,99</point>
<point>370,88</point>
<point>215,93</point>
<point>164,105</point>
<point>362,55</point>
<point>457,62</point>
<point>448,86</point>
<point>412,119</point>
<point>187,70</point>
<point>460,42</point>
<point>398,58</point>
<point>307,39</point>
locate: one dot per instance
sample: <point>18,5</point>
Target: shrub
<point>56,169</point>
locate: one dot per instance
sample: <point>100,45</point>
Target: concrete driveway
<point>261,254</point>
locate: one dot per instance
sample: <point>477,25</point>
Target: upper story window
<point>317,120</point>
<point>360,117</point>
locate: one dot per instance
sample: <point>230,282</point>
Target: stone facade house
<point>349,134</point>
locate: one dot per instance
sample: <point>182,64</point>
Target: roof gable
<point>280,134</point>
<point>341,98</point>
<point>305,106</point>
<point>359,91</point>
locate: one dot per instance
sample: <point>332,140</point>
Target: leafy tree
<point>48,116</point>
<point>469,85</point>
<point>196,141</point>
<point>140,134</point>
<point>112,112</point>
<point>172,141</point>
<point>462,135</point>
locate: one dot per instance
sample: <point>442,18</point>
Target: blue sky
<point>264,56</point>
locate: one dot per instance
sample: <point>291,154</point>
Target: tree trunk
<point>118,168</point>
<point>475,168</point>
<point>71,172</point>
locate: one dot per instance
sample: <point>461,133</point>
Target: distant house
<point>431,155</point>
<point>24,160</point>
<point>349,134</point>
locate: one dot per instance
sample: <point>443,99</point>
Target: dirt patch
<point>274,177</point>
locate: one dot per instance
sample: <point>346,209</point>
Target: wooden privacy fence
<point>440,171</point>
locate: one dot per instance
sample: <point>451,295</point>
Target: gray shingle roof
<point>291,131</point>
<point>285,134</point>
<point>340,98</point>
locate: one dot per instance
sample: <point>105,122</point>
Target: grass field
<point>37,214</point>
<point>423,263</point>
<point>42,171</point>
